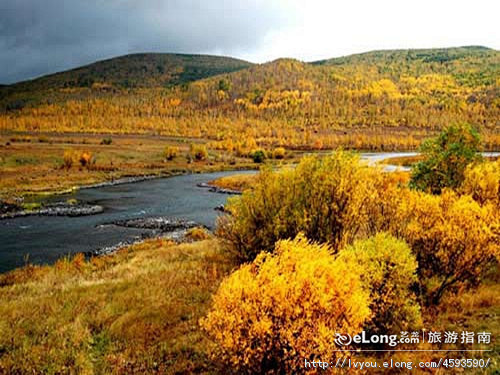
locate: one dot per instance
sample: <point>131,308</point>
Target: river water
<point>42,239</point>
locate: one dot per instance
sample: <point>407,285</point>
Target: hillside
<point>382,100</point>
<point>472,67</point>
<point>470,64</point>
<point>145,70</point>
<point>360,101</point>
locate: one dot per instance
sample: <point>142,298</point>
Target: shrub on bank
<point>258,156</point>
<point>68,158</point>
<point>445,159</point>
<point>337,200</point>
<point>279,153</point>
<point>198,152</point>
<point>454,239</point>
<point>86,159</point>
<point>325,198</point>
<point>388,269</point>
<point>482,182</point>
<point>170,152</point>
<point>285,307</point>
<point>71,157</point>
<point>106,141</point>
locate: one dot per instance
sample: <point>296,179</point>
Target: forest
<point>385,100</point>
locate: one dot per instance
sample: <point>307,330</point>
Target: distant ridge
<point>423,54</point>
<point>139,70</point>
<point>474,66</point>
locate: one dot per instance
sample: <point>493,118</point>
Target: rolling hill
<point>379,100</point>
<point>469,64</point>
<point>146,70</point>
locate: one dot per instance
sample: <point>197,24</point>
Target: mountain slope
<point>441,55</point>
<point>355,101</point>
<point>472,65</point>
<point>145,70</point>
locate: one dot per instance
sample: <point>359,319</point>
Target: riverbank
<point>70,209</point>
<point>36,166</point>
<point>32,167</point>
<point>164,228</point>
<point>138,311</point>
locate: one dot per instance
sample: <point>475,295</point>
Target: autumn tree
<point>453,237</point>
<point>445,159</point>
<point>482,182</point>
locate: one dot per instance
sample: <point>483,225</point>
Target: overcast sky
<point>44,36</point>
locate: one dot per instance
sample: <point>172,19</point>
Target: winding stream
<point>42,239</point>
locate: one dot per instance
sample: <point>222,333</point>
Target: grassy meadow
<point>134,312</point>
<point>35,164</point>
<point>138,312</point>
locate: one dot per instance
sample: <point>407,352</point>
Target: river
<point>44,239</point>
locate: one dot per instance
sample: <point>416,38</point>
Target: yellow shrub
<point>325,198</point>
<point>383,205</point>
<point>170,152</point>
<point>198,152</point>
<point>388,270</point>
<point>482,182</point>
<point>279,153</point>
<point>453,238</point>
<point>85,159</point>
<point>68,158</point>
<point>286,307</point>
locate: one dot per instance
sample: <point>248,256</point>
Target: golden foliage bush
<point>198,152</point>
<point>86,159</point>
<point>482,182</point>
<point>388,193</point>
<point>323,197</point>
<point>68,158</point>
<point>388,269</point>
<point>279,153</point>
<point>270,315</point>
<point>171,152</point>
<point>454,239</point>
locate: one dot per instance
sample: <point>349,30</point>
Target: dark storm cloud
<point>44,36</point>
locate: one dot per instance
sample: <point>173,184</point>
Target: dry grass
<point>138,311</point>
<point>237,182</point>
<point>404,161</point>
<point>134,312</point>
<point>34,164</point>
<point>198,234</point>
